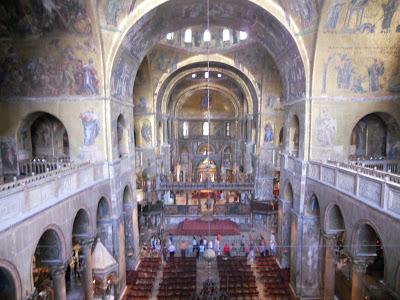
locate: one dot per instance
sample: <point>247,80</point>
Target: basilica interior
<point>210,149</point>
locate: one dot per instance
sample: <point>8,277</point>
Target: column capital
<point>86,242</point>
<point>58,270</point>
<point>360,264</point>
<point>329,237</point>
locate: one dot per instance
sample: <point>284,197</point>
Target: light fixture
<point>194,75</point>
<point>170,36</point>
<point>207,36</point>
<point>219,75</point>
<point>206,76</point>
<point>242,35</point>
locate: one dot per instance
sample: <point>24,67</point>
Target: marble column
<point>330,266</point>
<point>359,267</point>
<point>87,276</point>
<point>58,275</point>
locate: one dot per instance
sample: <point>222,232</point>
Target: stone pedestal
<point>58,275</point>
<point>329,266</point>
<point>87,276</point>
<point>358,269</point>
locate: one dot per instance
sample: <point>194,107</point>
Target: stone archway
<point>10,282</point>
<point>334,229</point>
<point>104,224</point>
<point>368,258</point>
<point>48,265</point>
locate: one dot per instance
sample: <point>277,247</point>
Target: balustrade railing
<point>220,209</point>
<point>22,198</point>
<point>378,188</point>
<point>35,177</point>
<point>391,166</point>
<point>383,171</point>
<point>39,166</point>
<point>207,185</point>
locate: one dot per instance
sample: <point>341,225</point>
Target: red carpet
<point>200,227</point>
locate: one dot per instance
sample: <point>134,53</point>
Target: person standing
<point>183,248</point>
<point>272,244</point>
<point>171,250</point>
<point>194,246</point>
<point>201,250</point>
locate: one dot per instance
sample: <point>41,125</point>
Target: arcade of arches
<point>124,122</point>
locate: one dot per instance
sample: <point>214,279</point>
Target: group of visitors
<point>196,248</point>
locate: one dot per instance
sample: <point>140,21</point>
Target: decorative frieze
<point>370,190</point>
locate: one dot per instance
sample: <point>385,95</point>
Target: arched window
<point>228,129</point>
<point>206,128</point>
<point>225,35</point>
<point>188,36</point>
<point>207,36</point>
<point>185,129</point>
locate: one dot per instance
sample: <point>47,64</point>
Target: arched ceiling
<point>241,14</point>
<point>180,81</point>
<point>194,104</point>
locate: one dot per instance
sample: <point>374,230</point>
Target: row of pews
<point>274,279</point>
<point>237,278</point>
<point>179,279</point>
<point>140,283</point>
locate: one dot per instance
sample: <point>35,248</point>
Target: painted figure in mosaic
<point>388,12</point>
<point>91,127</point>
<point>269,134</point>
<point>334,11</point>
<point>375,71</point>
<point>90,82</point>
<point>146,132</point>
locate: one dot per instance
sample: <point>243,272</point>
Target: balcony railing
<point>22,198</point>
<point>191,186</point>
<point>391,166</point>
<point>221,209</point>
<point>377,188</point>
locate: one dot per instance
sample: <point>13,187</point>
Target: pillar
<point>165,130</point>
<point>329,266</point>
<point>249,127</point>
<point>359,267</point>
<point>86,248</point>
<point>284,228</point>
<point>58,275</point>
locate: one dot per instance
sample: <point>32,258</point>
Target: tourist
<point>165,252</point>
<point>205,241</point>
<point>183,248</point>
<point>242,243</point>
<point>217,248</point>
<point>227,250</point>
<point>210,245</point>
<point>272,245</point>
<point>219,237</point>
<point>251,252</point>
<point>246,250</point>
<point>194,246</point>
<point>201,250</point>
<point>171,250</point>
